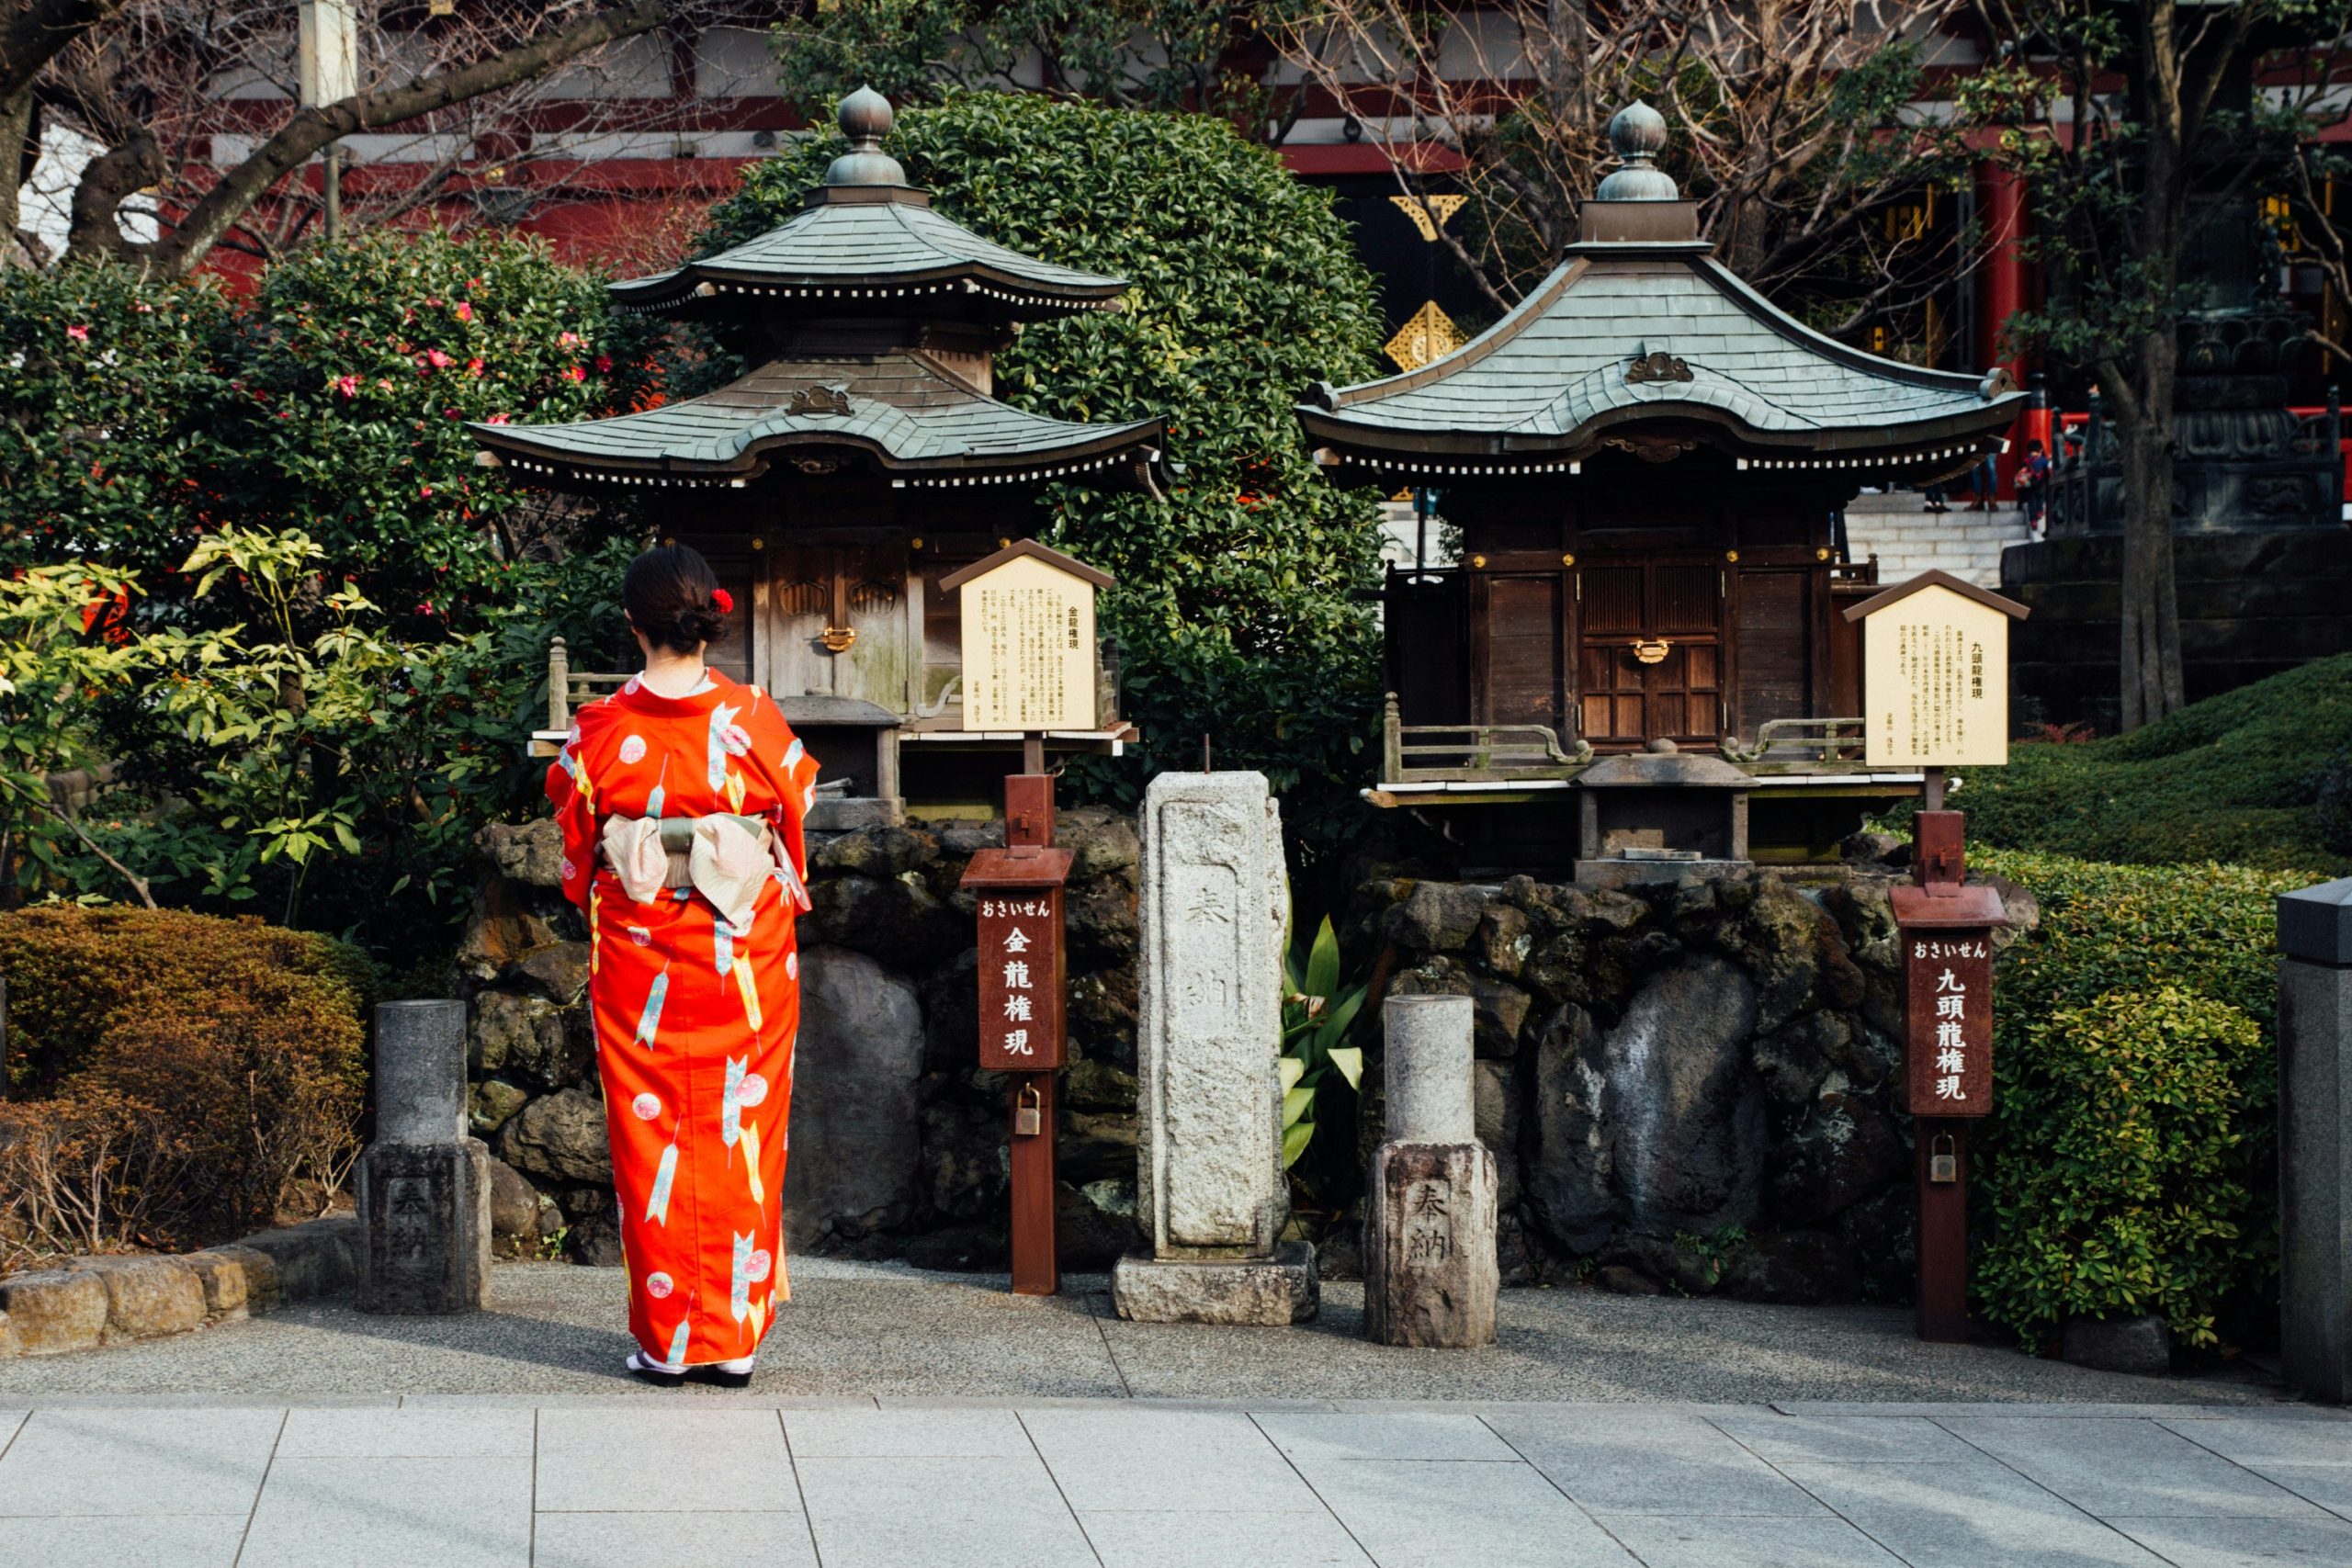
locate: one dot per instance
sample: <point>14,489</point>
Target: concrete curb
<point>93,1301</point>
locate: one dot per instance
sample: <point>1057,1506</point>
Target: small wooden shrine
<point>1647,462</point>
<point>861,462</point>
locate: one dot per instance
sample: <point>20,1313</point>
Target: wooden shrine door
<point>1650,655</point>
<point>837,622</point>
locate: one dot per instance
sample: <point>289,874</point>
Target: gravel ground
<point>878,1330</point>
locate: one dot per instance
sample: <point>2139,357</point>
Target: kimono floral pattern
<point>694,1017</point>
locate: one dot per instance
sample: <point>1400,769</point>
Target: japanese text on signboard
<point>1021,982</point>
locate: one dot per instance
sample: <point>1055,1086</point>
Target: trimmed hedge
<point>2130,1166</point>
<point>2238,778</point>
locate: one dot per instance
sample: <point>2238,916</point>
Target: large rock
<point>561,1136</point>
<point>874,852</point>
<point>148,1297</point>
<point>855,1124</point>
<point>532,1038</point>
<point>1843,1152</point>
<point>964,1165</point>
<point>1104,842</point>
<point>531,852</point>
<point>1802,1267</point>
<point>1437,917</point>
<point>2141,1345</point>
<point>559,972</point>
<point>57,1309</point>
<point>514,1206</point>
<point>502,927</point>
<point>1497,1104</point>
<point>896,920</point>
<point>1570,1183</point>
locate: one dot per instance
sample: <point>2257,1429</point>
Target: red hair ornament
<point>724,600</point>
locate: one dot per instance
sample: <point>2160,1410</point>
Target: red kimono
<point>695,1018</point>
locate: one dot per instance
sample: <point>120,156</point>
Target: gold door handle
<point>837,639</point>
<point>1651,651</point>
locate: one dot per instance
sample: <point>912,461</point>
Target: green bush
<point>2237,778</point>
<point>186,1078</point>
<point>1233,609</point>
<point>2131,1165</point>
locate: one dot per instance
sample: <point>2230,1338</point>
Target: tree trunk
<point>2150,650</point>
<point>15,160</point>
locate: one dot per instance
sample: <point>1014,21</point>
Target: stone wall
<point>1688,1086</point>
<point>898,1139</point>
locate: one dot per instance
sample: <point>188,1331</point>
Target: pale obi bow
<point>723,858</point>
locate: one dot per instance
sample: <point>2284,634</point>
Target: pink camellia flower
<point>465,311</point>
<point>474,366</point>
<point>495,419</point>
<point>81,334</point>
<point>577,373</point>
<point>346,386</point>
<point>604,362</point>
<point>426,490</point>
<point>568,339</point>
<point>438,360</point>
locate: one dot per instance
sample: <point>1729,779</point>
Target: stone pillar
<point>1210,1189</point>
<point>2315,1140</point>
<point>1431,1200</point>
<point>423,1186</point>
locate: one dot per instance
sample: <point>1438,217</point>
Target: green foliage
<point>355,369</point>
<point>1319,1014</point>
<point>2131,1165</point>
<point>50,666</point>
<point>2234,778</point>
<point>109,409</point>
<point>1150,55</point>
<point>1233,609</point>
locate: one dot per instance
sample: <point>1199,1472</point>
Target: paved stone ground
<point>908,1420</point>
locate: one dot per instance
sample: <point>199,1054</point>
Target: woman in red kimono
<point>681,799</point>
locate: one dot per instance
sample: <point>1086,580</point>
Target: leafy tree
<point>1153,54</point>
<point>2140,135</point>
<point>1234,608</point>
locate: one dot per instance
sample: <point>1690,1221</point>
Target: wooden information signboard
<point>1028,628</point>
<point>1935,696</point>
<point>1936,674</point>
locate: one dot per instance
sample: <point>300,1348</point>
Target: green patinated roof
<point>905,412</point>
<point>1551,375</point>
<point>872,244</point>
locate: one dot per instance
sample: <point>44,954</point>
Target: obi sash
<point>724,858</point>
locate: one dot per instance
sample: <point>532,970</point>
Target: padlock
<point>1943,1159</point>
<point>1029,1113</point>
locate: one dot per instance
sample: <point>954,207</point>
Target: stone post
<point>1431,1198</point>
<point>1210,1189</point>
<point>423,1186</point>
<point>2315,1140</point>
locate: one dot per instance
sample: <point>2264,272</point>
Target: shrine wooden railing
<point>1493,753</point>
<point>569,688</point>
<point>1798,745</point>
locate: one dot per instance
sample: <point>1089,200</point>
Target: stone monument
<point>1210,1190</point>
<point>424,1185</point>
<point>1431,1200</point>
<point>2315,1140</point>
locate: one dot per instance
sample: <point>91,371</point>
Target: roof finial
<point>1637,134</point>
<point>865,118</point>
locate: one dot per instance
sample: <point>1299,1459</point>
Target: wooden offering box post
<point>1936,664</point>
<point>1028,636</point>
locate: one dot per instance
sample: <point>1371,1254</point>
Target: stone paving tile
<point>131,1461</point>
<point>471,1512</point>
<point>2257,1440</point>
<point>2243,1543</point>
<point>2327,1486</point>
<point>1414,1513</point>
<point>1306,1439</point>
<point>2116,1468</point>
<point>1976,1513</point>
<point>1747,1541</point>
<point>660,1461</point>
<point>153,1540</point>
<point>9,1421</point>
<point>971,1512</point>
<point>1648,1462</point>
<point>656,1540</point>
<point>1192,1539</point>
<point>406,1434</point>
<point>905,1434</point>
<point>1202,1460</point>
<point>1847,1440</point>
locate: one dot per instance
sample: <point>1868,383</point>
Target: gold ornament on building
<point>1428,334</point>
<point>1430,213</point>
